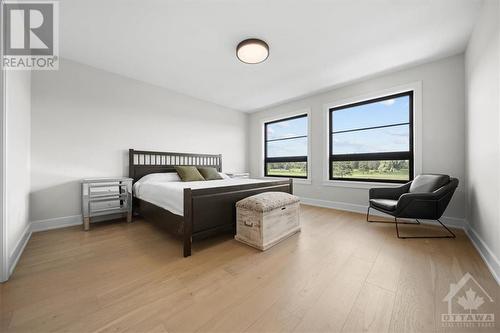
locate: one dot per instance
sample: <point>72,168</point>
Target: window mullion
<point>369,128</point>
<point>371,156</point>
<point>289,138</point>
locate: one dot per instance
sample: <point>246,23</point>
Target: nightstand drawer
<point>108,197</point>
<point>110,189</point>
<point>109,211</point>
<point>95,206</point>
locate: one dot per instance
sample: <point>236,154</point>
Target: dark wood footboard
<point>212,210</point>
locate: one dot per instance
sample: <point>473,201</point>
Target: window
<point>373,140</point>
<point>285,147</point>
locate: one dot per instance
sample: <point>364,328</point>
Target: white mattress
<point>169,195</point>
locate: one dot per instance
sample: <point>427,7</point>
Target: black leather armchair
<point>426,197</point>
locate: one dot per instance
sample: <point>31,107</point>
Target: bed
<point>194,210</point>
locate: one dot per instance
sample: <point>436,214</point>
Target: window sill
<point>358,184</point>
<point>295,180</point>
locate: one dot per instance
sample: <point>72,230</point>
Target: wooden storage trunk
<point>265,219</point>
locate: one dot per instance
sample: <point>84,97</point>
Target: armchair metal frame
<point>428,206</point>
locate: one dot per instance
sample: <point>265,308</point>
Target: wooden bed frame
<point>207,211</point>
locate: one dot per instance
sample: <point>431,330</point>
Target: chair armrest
<point>392,193</point>
<point>417,205</point>
<point>406,198</point>
<point>426,205</point>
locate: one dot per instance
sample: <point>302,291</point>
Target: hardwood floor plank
<point>242,315</point>
<point>280,264</point>
<point>372,310</point>
<point>414,308</point>
<point>387,266</point>
<point>330,311</point>
<point>288,311</point>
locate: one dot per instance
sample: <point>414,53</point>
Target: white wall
<point>443,113</point>
<point>483,132</point>
<point>18,114</point>
<point>84,120</point>
<point>4,260</point>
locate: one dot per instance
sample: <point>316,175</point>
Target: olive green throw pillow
<point>188,173</point>
<point>209,173</point>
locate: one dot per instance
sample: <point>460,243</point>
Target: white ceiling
<point>189,46</point>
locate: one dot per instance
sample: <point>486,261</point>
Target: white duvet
<point>169,194</point>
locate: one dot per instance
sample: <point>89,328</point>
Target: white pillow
<point>160,177</point>
<point>223,175</point>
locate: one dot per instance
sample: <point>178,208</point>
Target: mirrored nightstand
<point>106,197</point>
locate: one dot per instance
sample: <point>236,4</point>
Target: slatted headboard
<point>143,162</point>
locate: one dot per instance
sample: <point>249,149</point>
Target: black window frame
<point>381,156</point>
<point>287,158</point>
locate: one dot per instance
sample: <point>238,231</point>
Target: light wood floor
<point>339,274</point>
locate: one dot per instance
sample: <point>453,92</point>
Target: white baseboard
<point>56,223</point>
<point>19,248</point>
<point>455,222</point>
<point>67,221</point>
<point>485,252</point>
<point>335,205</point>
<point>451,221</point>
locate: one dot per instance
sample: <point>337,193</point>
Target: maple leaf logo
<point>470,301</point>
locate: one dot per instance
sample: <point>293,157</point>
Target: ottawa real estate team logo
<point>469,305</point>
<point>30,38</point>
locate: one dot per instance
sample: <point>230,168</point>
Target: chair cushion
<point>386,204</point>
<point>428,183</point>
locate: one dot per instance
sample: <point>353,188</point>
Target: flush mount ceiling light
<point>252,51</point>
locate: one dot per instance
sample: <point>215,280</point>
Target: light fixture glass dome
<point>252,51</point>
